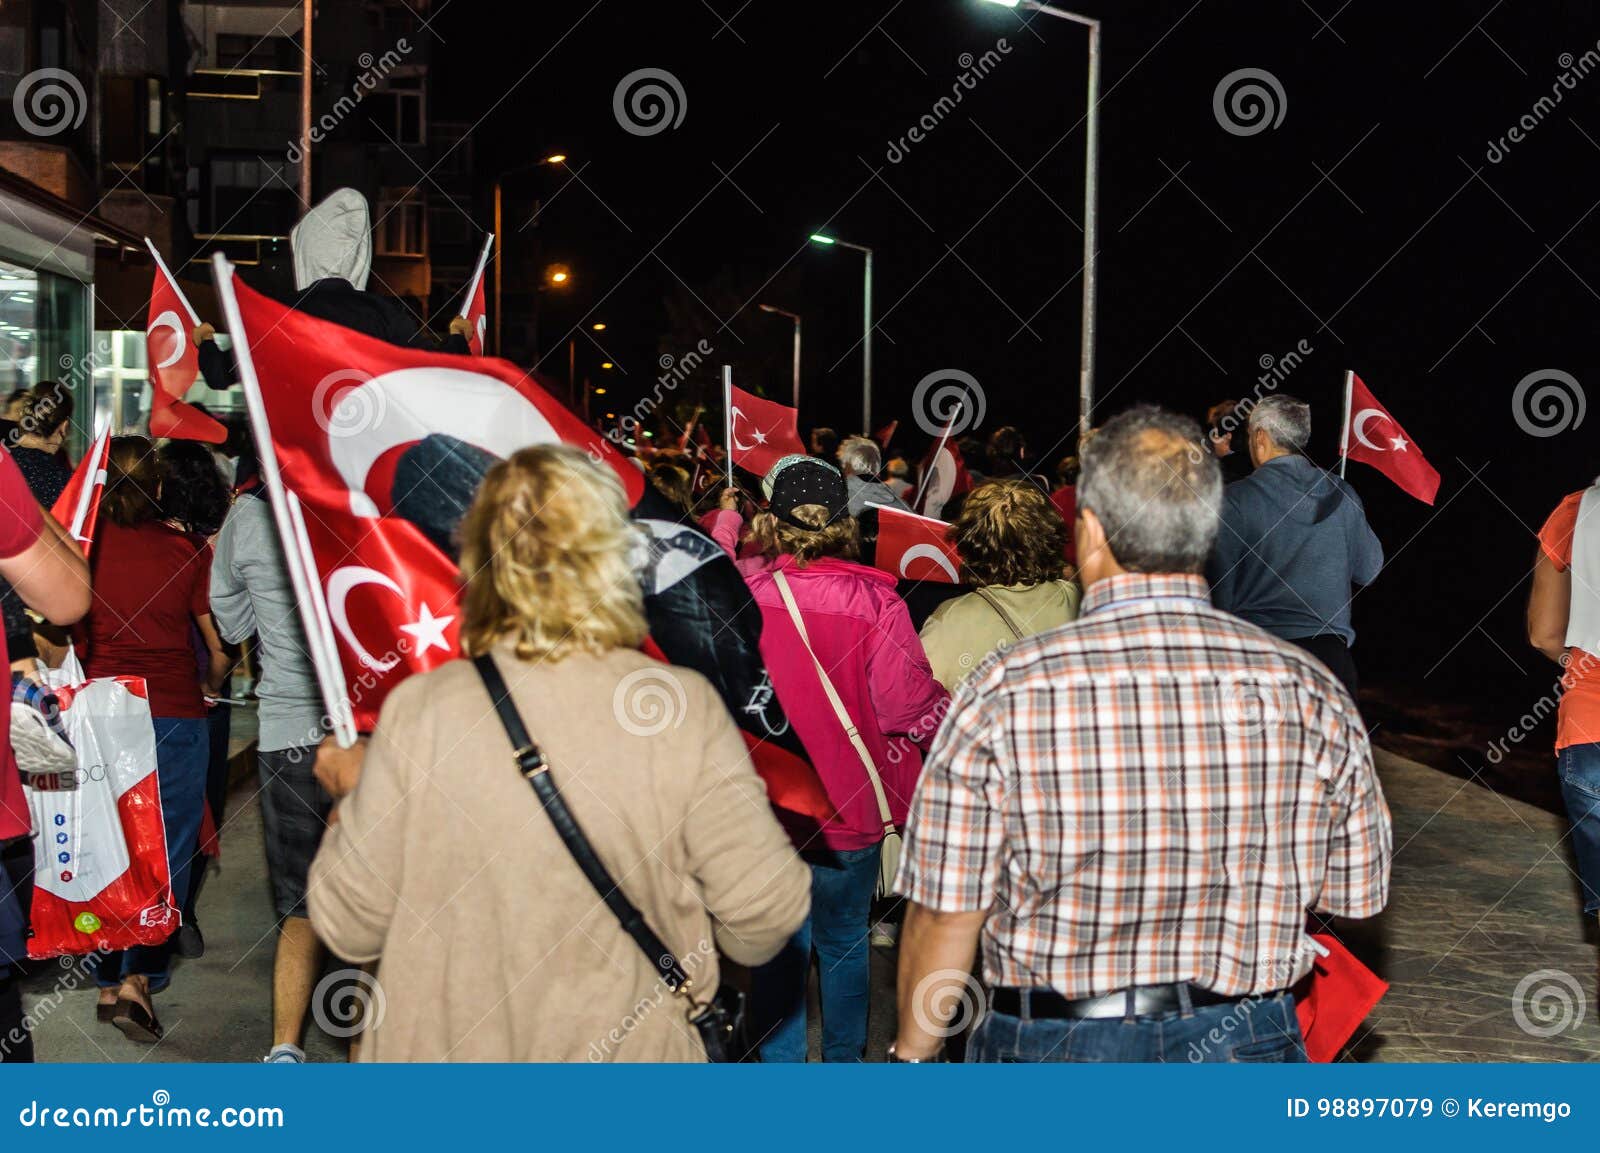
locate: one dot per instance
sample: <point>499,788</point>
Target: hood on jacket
<point>1303,493</point>
<point>334,238</point>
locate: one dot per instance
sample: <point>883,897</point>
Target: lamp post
<point>866,322</point>
<point>794,316</point>
<point>499,234</point>
<point>1091,196</point>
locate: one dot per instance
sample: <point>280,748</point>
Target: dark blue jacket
<point>1294,540</point>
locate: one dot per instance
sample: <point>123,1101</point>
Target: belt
<point>1142,1001</point>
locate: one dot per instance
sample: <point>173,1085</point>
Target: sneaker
<point>885,935</point>
<point>285,1054</point>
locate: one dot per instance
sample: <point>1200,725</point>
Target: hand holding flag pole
<point>474,307</point>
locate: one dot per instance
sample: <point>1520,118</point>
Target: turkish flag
<point>475,308</point>
<point>885,434</point>
<point>760,432</point>
<point>174,362</point>
<point>944,477</point>
<point>348,413</point>
<point>915,547</point>
<point>1376,438</point>
<point>78,506</point>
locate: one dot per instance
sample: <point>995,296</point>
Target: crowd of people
<point>1109,784</point>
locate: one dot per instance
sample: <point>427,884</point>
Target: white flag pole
<point>194,321</point>
<point>477,275</point>
<point>1344,435</point>
<point>727,416</point>
<point>343,718</point>
<point>922,482</point>
<point>302,576</point>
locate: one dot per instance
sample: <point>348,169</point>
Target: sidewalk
<point>1480,901</point>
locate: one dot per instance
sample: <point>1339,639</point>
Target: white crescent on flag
<point>409,404</point>
<point>341,582</point>
<point>1358,426</point>
<point>931,553</point>
<point>733,428</point>
<point>180,342</point>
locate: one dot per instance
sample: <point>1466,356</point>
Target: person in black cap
<point>851,675</point>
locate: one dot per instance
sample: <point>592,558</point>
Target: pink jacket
<point>862,634</point>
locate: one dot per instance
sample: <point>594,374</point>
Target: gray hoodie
<point>333,238</point>
<point>1294,540</point>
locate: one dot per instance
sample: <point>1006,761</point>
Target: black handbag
<point>721,1021</point>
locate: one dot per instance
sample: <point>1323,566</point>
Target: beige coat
<point>961,633</point>
<point>493,946</point>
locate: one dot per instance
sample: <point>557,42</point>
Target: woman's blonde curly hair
<point>545,557</point>
<point>776,537</point>
<point>1009,533</point>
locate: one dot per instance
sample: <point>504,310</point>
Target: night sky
<point>1368,223</point>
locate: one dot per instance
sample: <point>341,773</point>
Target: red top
<point>1578,716</point>
<point>156,580</point>
<point>19,527</point>
<point>1065,499</point>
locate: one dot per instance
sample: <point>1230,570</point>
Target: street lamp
<point>1091,195</point>
<point>499,233</point>
<point>794,316</point>
<point>866,323</point>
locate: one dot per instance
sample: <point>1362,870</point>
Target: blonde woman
<point>1010,538</point>
<point>491,944</point>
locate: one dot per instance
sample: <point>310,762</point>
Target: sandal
<point>136,1022</point>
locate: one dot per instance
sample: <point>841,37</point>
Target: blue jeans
<point>841,903</point>
<point>1253,1029</point>
<point>183,752</point>
<point>1579,768</point>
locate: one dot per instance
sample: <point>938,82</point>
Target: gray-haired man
<point>1294,541</point>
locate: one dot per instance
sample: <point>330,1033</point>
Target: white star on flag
<point>1399,443</point>
<point>428,630</point>
<point>760,437</point>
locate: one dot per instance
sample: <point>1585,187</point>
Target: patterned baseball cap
<point>798,479</point>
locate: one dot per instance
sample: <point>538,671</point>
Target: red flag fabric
<point>475,308</point>
<point>78,506</point>
<point>944,477</point>
<point>760,432</point>
<point>174,363</point>
<point>885,434</point>
<point>915,547</point>
<point>1334,998</point>
<point>343,408</point>
<point>1376,438</point>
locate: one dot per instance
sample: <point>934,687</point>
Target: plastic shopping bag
<point>100,855</point>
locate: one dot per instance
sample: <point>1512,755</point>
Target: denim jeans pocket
<point>1276,1049</point>
<point>1579,769</point>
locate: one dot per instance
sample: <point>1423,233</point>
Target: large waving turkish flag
<point>1376,438</point>
<point>382,445</point>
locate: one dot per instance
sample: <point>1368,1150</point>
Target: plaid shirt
<point>1157,792</point>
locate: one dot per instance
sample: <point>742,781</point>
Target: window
<point>399,111</point>
<point>402,223</point>
<point>251,195</point>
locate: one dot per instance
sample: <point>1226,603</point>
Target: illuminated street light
<point>556,158</point>
<point>597,328</point>
<point>866,323</point>
<point>1091,196</point>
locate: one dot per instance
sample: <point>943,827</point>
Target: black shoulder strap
<point>530,761</point>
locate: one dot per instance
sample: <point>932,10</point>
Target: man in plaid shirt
<point>1137,811</point>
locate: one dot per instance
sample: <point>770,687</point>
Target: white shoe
<point>285,1054</point>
